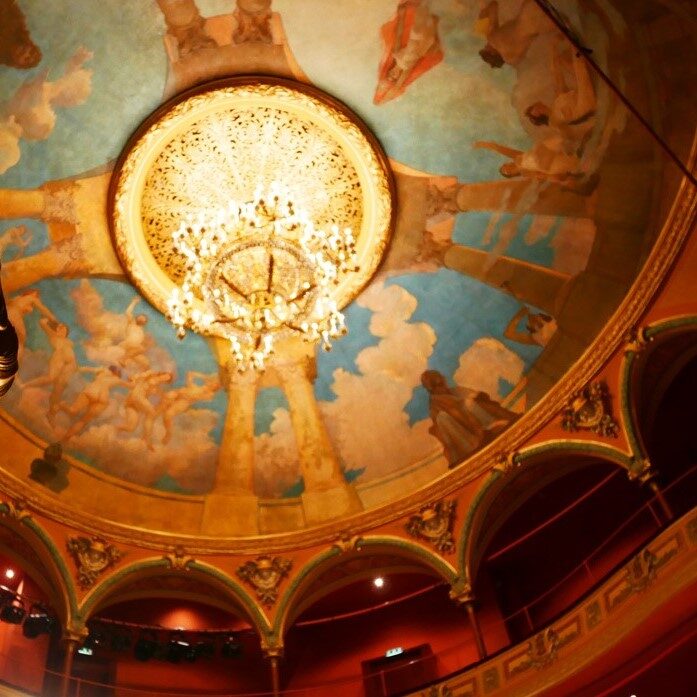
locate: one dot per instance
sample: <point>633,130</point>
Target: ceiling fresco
<point>506,151</point>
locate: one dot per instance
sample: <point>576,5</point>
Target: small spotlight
<point>231,648</point>
<point>10,573</point>
<point>13,613</point>
<point>378,581</point>
<point>38,622</point>
<point>178,648</point>
<point>145,647</point>
<point>204,649</point>
<point>120,642</point>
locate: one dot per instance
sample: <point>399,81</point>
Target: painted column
<point>235,473</point>
<point>231,507</point>
<point>327,495</point>
<point>529,283</point>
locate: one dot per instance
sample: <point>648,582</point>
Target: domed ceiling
<point>508,155</point>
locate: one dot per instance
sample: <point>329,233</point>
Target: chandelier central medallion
<point>252,210</point>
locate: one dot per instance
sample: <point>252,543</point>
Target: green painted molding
<point>463,538</point>
<point>284,606</point>
<point>628,375</point>
<point>238,592</point>
<point>482,499</point>
<point>67,587</point>
<point>90,601</point>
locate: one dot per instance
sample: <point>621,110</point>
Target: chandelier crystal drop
<point>257,271</point>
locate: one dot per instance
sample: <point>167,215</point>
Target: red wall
<point>334,651</point>
<point>22,660</point>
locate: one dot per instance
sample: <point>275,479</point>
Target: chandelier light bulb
<point>257,270</point>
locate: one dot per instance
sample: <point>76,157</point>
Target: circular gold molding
<point>224,141</point>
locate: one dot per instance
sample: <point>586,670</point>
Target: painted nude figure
<point>93,400</point>
<point>137,406</point>
<point>572,113</point>
<point>539,328</point>
<point>199,387</point>
<point>18,236</point>
<point>464,420</point>
<point>508,41</point>
<point>135,342</point>
<point>24,304</point>
<point>61,366</point>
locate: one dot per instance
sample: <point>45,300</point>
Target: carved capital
<point>17,510</point>
<point>434,524</point>
<point>273,652</point>
<point>93,556</point>
<point>641,471</point>
<point>348,543</point>
<point>508,462</point>
<point>462,595</point>
<point>178,559</point>
<point>636,340</point>
<point>264,575</point>
<point>74,635</point>
<point>589,409</point>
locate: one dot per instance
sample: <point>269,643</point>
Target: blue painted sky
<point>127,83</point>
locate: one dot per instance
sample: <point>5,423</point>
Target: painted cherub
<point>61,366</point>
<point>18,236</point>
<point>199,387</point>
<point>21,305</point>
<point>137,406</point>
<point>93,400</point>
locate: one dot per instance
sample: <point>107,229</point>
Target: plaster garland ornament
<point>641,470</point>
<point>508,462</point>
<point>93,556</point>
<point>348,543</point>
<point>264,575</point>
<point>17,510</point>
<point>178,559</point>
<point>434,524</point>
<point>641,571</point>
<point>636,340</point>
<point>543,648</point>
<point>589,409</point>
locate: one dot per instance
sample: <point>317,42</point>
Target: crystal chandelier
<point>257,271</point>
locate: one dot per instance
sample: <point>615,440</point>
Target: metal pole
<point>662,502</point>
<point>476,628</point>
<point>70,646</point>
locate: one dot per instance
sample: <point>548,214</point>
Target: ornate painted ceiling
<point>526,202</point>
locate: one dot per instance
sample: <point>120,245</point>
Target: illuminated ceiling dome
<point>502,245</point>
<point>517,290</point>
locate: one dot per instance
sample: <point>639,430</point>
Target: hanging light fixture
<point>257,271</point>
<point>253,211</point>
